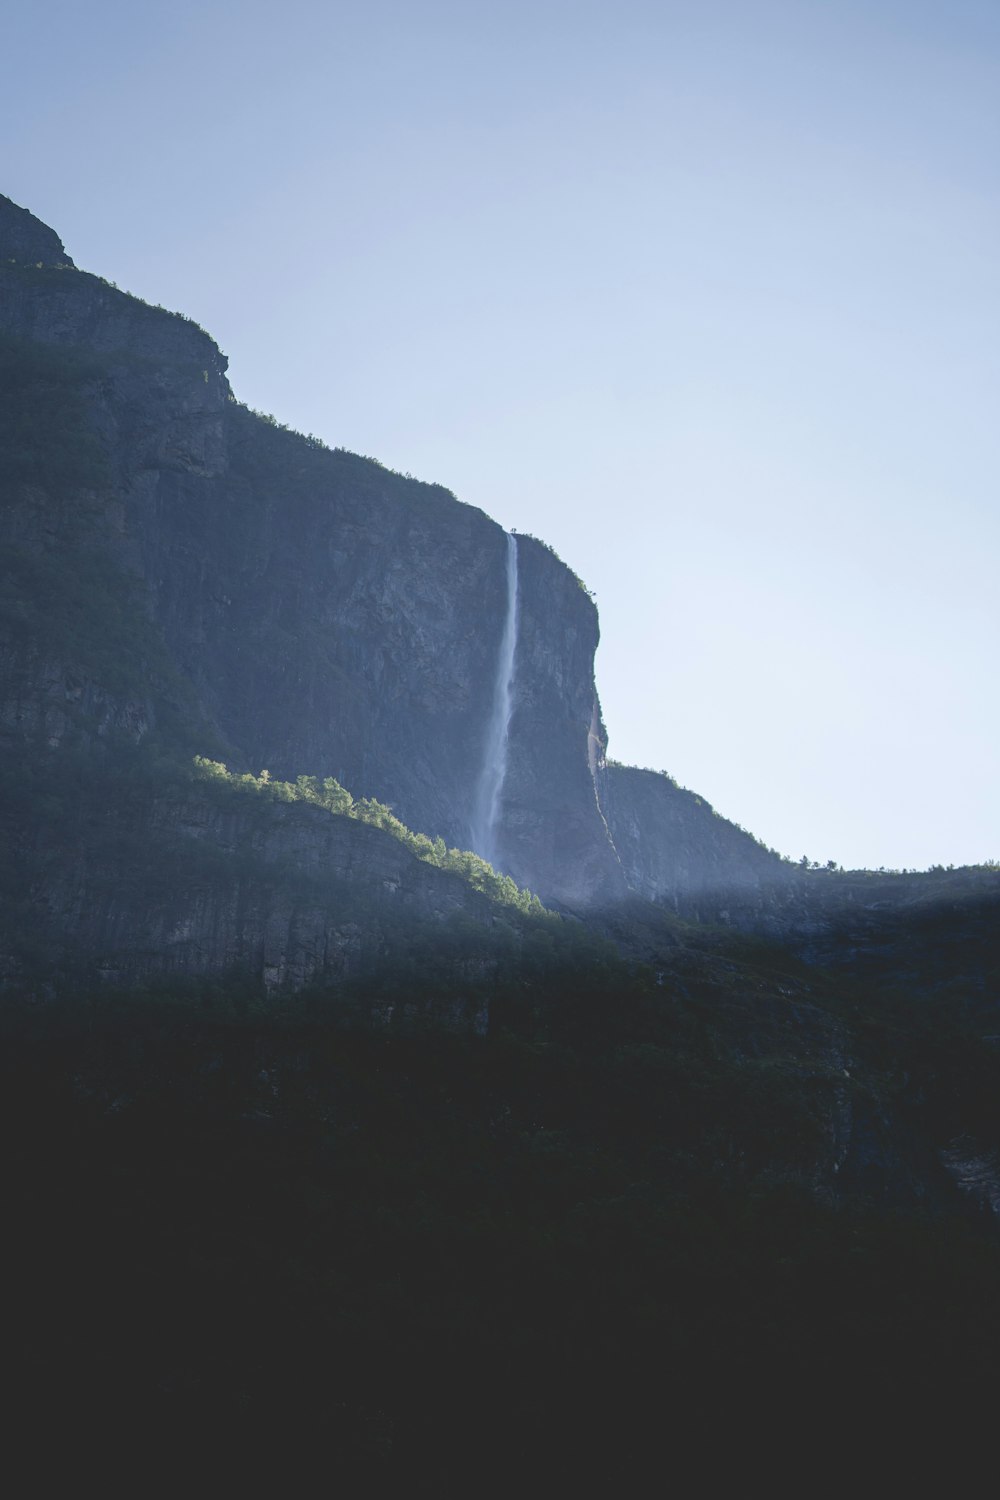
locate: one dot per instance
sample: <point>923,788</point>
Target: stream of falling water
<point>494,771</point>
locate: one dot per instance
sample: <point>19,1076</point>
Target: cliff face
<point>676,850</point>
<point>288,606</point>
<point>183,574</point>
<point>151,886</point>
<point>26,240</point>
<point>552,825</point>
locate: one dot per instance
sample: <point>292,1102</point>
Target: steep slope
<point>677,850</point>
<point>124,875</point>
<point>232,586</point>
<point>181,574</point>
<point>25,240</point>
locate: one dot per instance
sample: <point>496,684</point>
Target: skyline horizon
<point>986,861</point>
<point>707,298</point>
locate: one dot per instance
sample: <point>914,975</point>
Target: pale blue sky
<point>707,294</point>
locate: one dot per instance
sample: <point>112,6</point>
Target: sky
<point>706,294</point>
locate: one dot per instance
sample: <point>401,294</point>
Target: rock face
<point>675,849</point>
<point>26,240</point>
<point>282,604</point>
<point>553,831</point>
<point>271,896</point>
<point>183,574</point>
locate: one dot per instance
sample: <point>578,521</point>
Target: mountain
<point>327,1141</point>
<point>316,613</point>
<point>184,576</point>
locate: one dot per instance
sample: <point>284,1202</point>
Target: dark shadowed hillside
<point>329,1143</point>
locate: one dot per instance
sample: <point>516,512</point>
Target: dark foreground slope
<point>643,1211</point>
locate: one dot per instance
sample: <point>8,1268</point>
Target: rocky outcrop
<point>26,240</point>
<point>676,850</point>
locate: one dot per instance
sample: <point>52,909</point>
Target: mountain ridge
<point>186,578</point>
<point>330,617</point>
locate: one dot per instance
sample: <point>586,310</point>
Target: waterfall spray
<point>494,771</point>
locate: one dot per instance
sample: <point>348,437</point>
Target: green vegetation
<point>333,798</point>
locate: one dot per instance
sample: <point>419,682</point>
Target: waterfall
<point>494,771</point>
